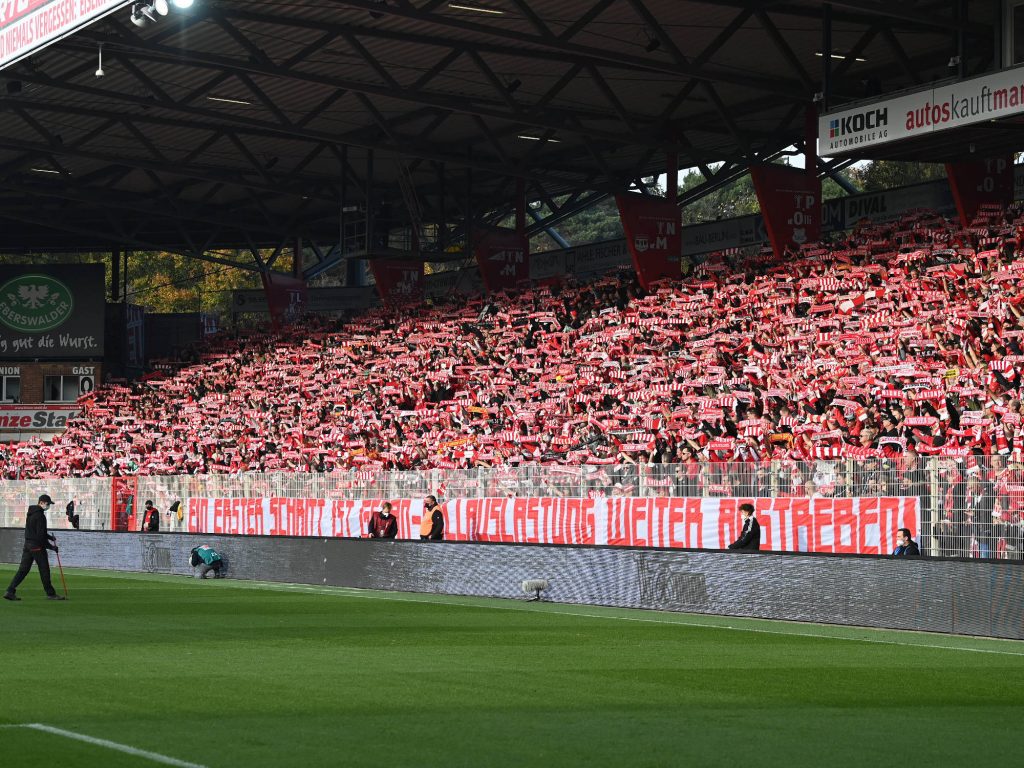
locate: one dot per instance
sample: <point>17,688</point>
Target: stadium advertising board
<point>28,25</point>
<point>725,234</point>
<point>134,336</point>
<point>854,526</point>
<point>454,282</point>
<point>334,299</point>
<point>844,212</point>
<point>951,105</point>
<point>597,257</point>
<point>18,420</point>
<point>51,312</point>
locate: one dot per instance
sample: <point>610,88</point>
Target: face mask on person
<point>384,513</point>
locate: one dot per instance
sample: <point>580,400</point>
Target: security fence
<point>970,506</point>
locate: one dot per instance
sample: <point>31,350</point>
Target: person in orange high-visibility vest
<point>432,520</point>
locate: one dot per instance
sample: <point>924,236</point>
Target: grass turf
<point>237,674</point>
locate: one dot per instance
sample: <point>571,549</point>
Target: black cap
<point>45,499</point>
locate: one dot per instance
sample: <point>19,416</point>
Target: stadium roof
<point>248,124</point>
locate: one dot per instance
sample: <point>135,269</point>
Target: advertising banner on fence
<point>854,526</point>
<point>52,311</point>
<point>652,226</point>
<point>724,234</point>
<point>454,282</point>
<point>886,205</point>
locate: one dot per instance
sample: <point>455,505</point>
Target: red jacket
<point>383,527</point>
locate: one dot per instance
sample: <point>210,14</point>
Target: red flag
<point>652,227</point>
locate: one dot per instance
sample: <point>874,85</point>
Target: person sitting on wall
<point>383,524</point>
<point>207,560</point>
<point>750,537</point>
<point>150,518</point>
<point>905,546</point>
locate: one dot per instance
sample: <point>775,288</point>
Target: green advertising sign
<point>35,303</point>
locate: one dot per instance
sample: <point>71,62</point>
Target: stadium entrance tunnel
<point>951,596</point>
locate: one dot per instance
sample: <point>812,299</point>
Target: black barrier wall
<point>963,597</point>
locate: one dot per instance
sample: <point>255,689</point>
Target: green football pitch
<point>150,670</point>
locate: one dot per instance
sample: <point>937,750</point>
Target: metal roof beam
<point>556,119</point>
<point>545,48</point>
<point>900,11</point>
<point>208,119</point>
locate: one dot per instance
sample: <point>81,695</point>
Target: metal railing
<point>971,507</point>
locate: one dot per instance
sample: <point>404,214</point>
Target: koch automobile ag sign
<point>953,105</point>
<point>859,127</point>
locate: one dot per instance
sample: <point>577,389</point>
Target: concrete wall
<point>975,598</point>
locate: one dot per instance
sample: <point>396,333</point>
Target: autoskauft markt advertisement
<point>51,312</point>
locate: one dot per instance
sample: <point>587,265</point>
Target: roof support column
<point>672,177</point>
<point>115,275</point>
<point>826,56</point>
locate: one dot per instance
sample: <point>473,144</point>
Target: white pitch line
<point>368,595</point>
<point>156,757</point>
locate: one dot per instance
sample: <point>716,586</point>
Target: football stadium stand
<point>841,372</point>
<point>903,340</point>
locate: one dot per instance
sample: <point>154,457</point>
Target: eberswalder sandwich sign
<point>28,25</point>
<point>56,311</point>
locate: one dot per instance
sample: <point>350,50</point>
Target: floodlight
<point>139,16</point>
<point>182,4</point>
<point>161,7</point>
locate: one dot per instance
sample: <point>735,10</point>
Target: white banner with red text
<point>864,526</point>
<point>28,25</point>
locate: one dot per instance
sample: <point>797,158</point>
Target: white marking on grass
<point>156,757</point>
<point>558,610</point>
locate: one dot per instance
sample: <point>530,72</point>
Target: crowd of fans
<point>899,343</point>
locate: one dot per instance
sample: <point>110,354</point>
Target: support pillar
<point>115,275</point>
<point>672,177</point>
